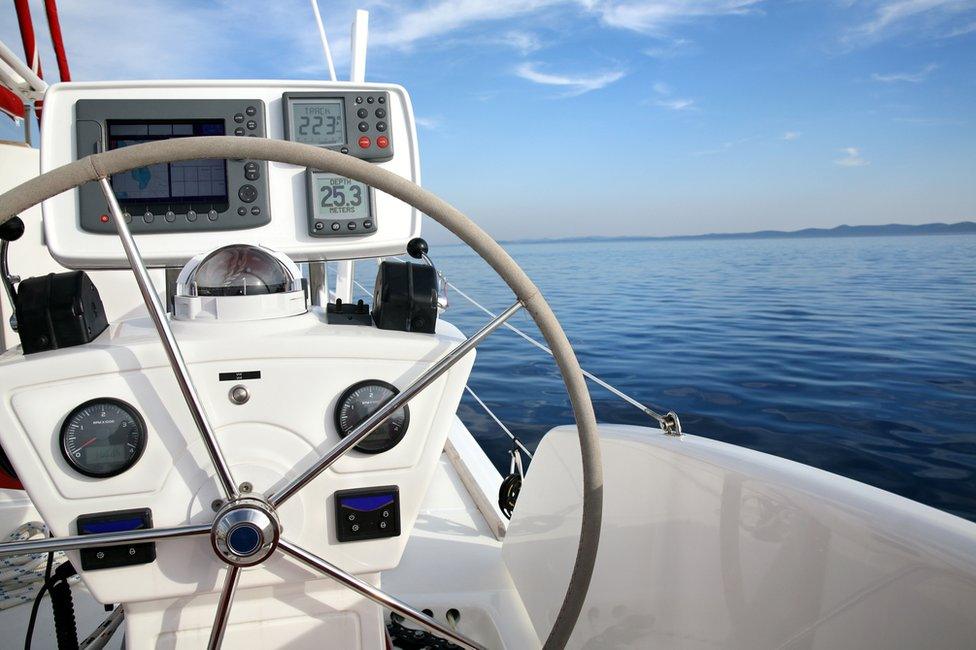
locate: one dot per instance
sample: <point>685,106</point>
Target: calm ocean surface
<point>855,355</point>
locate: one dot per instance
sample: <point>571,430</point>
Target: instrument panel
<point>187,196</point>
<point>183,208</point>
<point>294,413</point>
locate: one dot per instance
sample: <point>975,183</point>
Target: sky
<point>556,118</point>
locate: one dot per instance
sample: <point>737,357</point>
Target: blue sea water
<point>854,355</point>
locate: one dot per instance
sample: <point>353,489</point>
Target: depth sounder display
<point>320,122</point>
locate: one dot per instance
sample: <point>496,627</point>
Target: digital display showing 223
<point>320,122</point>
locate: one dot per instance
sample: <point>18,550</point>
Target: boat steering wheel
<point>257,513</point>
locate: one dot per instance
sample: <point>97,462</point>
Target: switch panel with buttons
<point>352,122</point>
<point>367,513</point>
<point>339,206</point>
<point>110,557</point>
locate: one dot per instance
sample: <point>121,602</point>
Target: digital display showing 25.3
<point>321,122</point>
<point>340,197</point>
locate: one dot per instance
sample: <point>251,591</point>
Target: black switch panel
<point>367,513</point>
<point>108,557</point>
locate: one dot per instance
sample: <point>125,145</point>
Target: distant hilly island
<point>889,230</point>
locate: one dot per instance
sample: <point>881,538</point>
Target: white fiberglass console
<point>183,208</point>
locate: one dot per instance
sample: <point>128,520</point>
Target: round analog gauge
<point>103,437</point>
<point>362,400</point>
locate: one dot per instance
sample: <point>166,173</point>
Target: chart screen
<point>178,182</point>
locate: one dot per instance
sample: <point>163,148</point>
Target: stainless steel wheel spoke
<point>223,607</point>
<point>76,542</point>
<point>377,596</point>
<point>158,315</point>
<point>391,406</point>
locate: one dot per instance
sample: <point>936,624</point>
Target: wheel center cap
<point>245,532</point>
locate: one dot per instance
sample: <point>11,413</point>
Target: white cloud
<point>523,42</point>
<point>445,16</point>
<point>107,39</point>
<point>790,136</point>
<point>961,31</point>
<point>658,16</point>
<point>646,16</point>
<point>911,77</point>
<point>666,100</point>
<point>429,123</point>
<point>675,104</point>
<point>670,49</point>
<point>918,16</point>
<point>574,85</point>
<point>851,158</point>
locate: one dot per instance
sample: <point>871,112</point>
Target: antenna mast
<point>325,40</point>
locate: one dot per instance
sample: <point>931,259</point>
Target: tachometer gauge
<point>103,437</point>
<point>362,400</point>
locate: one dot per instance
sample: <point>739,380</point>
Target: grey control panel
<point>339,206</point>
<point>351,122</point>
<point>186,196</point>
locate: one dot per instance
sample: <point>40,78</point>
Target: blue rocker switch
<point>367,513</point>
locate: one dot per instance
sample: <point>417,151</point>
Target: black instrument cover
<point>58,310</point>
<point>405,297</point>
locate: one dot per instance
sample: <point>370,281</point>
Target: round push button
<point>250,110</point>
<point>351,225</point>
<point>170,216</point>
<point>251,124</point>
<point>382,142</point>
<point>362,113</point>
<point>381,99</point>
<point>239,118</point>
<point>244,540</point>
<point>149,217</point>
<point>364,142</point>
<point>381,126</point>
<point>255,211</point>
<point>367,224</point>
<point>363,127</point>
<point>335,225</point>
<point>212,215</point>
<point>381,113</point>
<point>191,216</point>
<point>359,100</point>
<point>239,130</point>
<point>242,211</point>
<point>370,100</point>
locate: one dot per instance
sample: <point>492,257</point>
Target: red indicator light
<point>364,142</point>
<point>103,218</point>
<point>382,142</point>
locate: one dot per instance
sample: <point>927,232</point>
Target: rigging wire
<point>468,388</point>
<point>669,422</point>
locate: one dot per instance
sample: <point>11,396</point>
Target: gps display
<point>178,182</point>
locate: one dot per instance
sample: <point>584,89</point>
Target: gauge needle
<point>86,444</point>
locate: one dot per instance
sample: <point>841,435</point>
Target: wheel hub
<point>245,532</point>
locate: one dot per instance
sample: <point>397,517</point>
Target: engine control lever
<point>10,230</point>
<point>417,248</point>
